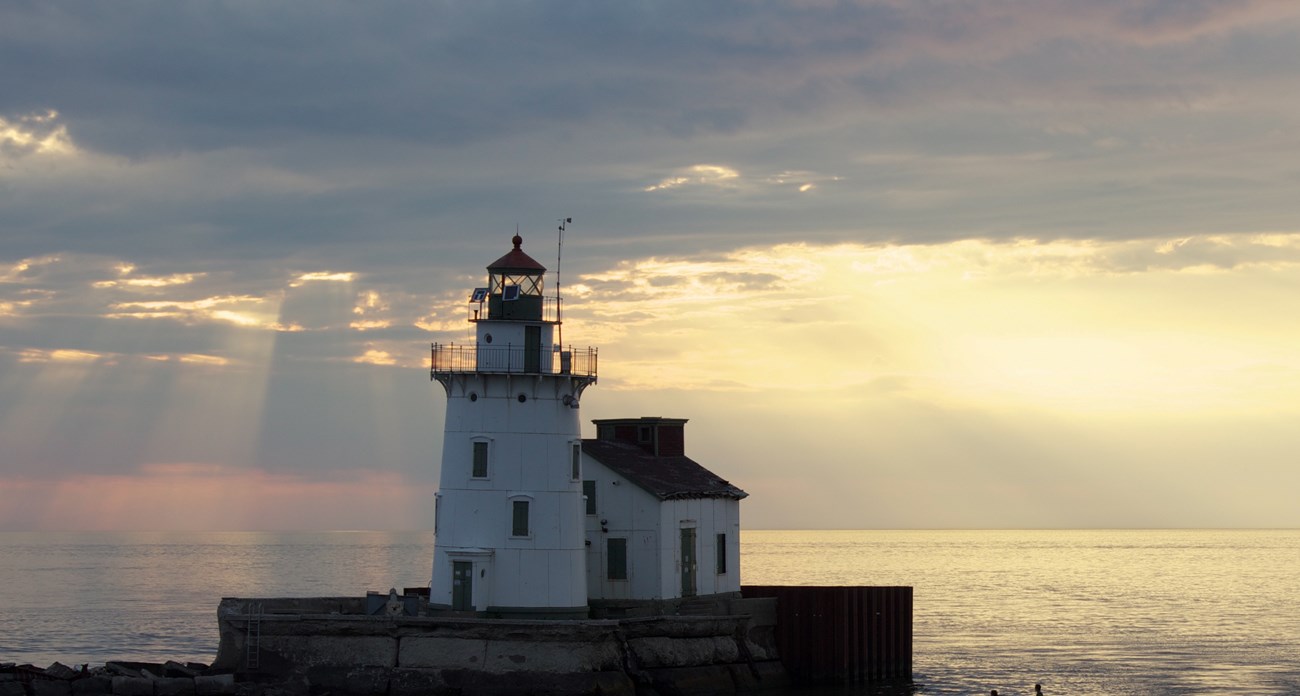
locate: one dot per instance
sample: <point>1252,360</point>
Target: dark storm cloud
<point>319,133</point>
<point>154,77</point>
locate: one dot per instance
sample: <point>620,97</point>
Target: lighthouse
<point>509,513</point>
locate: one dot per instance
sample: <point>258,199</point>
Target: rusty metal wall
<point>842,635</point>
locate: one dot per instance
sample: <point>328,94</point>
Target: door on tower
<point>462,586</point>
<point>532,349</point>
<point>688,562</point>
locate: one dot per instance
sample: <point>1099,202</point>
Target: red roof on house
<point>516,260</point>
<point>666,478</point>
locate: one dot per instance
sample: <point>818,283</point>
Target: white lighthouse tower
<point>509,518</point>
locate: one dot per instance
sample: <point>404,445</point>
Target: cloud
<point>65,355</point>
<point>970,322</point>
<point>34,134</point>
<point>1111,120</point>
<point>126,280</point>
<point>243,310</point>
<point>322,276</point>
<point>700,174</point>
<point>373,356</point>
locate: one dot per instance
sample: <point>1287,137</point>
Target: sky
<point>903,264</point>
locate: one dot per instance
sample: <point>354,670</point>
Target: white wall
<point>652,528</point>
<point>529,454</point>
<point>630,513</point>
<point>709,517</point>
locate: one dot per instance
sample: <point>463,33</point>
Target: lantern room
<point>515,286</point>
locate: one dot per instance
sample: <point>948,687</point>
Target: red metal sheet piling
<point>842,635</point>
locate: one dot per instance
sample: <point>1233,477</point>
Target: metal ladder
<point>253,637</point>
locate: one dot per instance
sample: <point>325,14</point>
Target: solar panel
<point>479,295</point>
<point>510,292</point>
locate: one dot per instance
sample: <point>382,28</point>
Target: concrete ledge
<point>417,682</point>
<point>326,649</point>
<point>683,626</point>
<point>552,657</point>
<point>662,651</point>
<point>761,610</point>
<point>442,652</point>
<point>689,681</point>
<point>547,684</point>
<point>297,605</point>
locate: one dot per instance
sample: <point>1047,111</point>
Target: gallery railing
<point>450,358</point>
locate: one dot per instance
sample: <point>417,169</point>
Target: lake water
<point>1083,612</point>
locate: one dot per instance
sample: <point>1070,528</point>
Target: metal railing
<point>550,309</point>
<point>450,358</point>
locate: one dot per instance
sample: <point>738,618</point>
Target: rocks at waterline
<point>120,679</point>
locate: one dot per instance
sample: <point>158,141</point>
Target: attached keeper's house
<point>659,526</point>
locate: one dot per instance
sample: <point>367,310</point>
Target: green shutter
<point>480,460</point>
<point>519,525</point>
<point>616,558</point>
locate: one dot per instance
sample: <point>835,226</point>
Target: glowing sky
<point>902,264</point>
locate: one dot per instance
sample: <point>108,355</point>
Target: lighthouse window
<point>616,559</point>
<point>722,554</point>
<point>589,492</point>
<point>480,467</point>
<point>519,518</point>
<point>577,462</point>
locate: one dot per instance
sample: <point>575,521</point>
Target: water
<point>1083,612</point>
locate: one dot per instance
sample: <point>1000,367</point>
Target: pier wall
<point>842,635</point>
<point>331,644</point>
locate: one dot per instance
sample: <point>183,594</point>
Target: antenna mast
<point>559,256</point>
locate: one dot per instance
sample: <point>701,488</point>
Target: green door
<point>688,562</point>
<point>532,349</point>
<point>462,586</point>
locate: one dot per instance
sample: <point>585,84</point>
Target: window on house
<point>722,554</point>
<point>577,461</point>
<point>589,491</point>
<point>643,434</point>
<point>480,469</point>
<point>616,559</point>
<point>519,519</point>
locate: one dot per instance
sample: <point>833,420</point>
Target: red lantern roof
<point>516,260</point>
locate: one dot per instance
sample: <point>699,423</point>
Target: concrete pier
<point>330,644</point>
